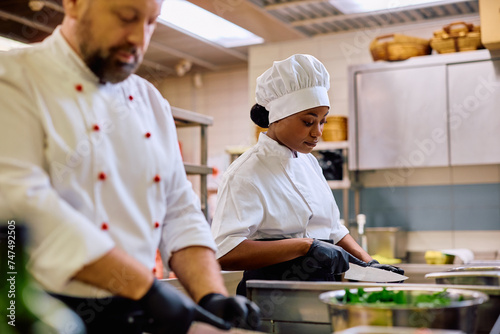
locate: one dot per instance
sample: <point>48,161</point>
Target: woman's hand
<point>388,267</point>
<point>332,257</point>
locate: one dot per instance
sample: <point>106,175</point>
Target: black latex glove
<point>237,310</point>
<point>169,311</point>
<point>332,257</point>
<point>388,267</point>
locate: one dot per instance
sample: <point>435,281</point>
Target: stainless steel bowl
<point>460,315</point>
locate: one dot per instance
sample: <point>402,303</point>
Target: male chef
<point>89,159</point>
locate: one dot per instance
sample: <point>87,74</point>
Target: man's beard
<point>103,62</point>
<point>106,67</point>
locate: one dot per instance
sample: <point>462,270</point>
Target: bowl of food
<point>418,307</point>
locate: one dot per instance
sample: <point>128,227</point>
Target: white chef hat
<point>292,85</point>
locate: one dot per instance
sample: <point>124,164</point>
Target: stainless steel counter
<point>231,280</point>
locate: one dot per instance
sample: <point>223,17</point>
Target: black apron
<point>108,315</point>
<point>303,268</point>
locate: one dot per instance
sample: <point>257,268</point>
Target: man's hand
<point>169,311</point>
<point>388,267</point>
<point>332,257</point>
<point>237,310</point>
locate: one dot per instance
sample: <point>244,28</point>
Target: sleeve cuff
<point>63,254</point>
<point>228,245</point>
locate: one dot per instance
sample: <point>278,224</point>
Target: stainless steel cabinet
<point>398,118</point>
<point>474,106</point>
<point>429,111</point>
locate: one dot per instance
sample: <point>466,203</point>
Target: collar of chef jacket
<point>59,46</point>
<point>272,147</point>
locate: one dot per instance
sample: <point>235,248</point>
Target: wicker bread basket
<point>335,128</point>
<point>456,37</point>
<point>398,47</point>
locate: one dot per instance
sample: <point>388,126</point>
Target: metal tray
<point>467,277</point>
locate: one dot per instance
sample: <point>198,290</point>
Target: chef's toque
<point>292,85</point>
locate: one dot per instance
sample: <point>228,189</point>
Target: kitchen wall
<point>450,207</point>
<point>222,95</point>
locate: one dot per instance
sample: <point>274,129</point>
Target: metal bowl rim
<point>463,274</point>
<point>474,268</point>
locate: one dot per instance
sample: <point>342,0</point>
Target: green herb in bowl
<point>389,298</point>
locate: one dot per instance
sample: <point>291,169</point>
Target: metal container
<point>389,242</point>
<point>481,278</point>
<point>460,315</point>
<point>468,276</point>
<point>476,268</point>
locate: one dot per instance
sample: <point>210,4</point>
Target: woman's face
<point>301,131</point>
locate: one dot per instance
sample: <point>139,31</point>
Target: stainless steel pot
<point>459,315</point>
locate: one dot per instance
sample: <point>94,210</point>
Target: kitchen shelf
<point>235,151</point>
<point>186,118</point>
<point>345,183</point>
<point>192,169</point>
<point>331,145</point>
<point>339,184</point>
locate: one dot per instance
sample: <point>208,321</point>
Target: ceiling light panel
<point>363,6</point>
<point>196,21</point>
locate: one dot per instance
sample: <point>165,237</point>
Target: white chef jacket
<point>90,167</point>
<point>272,192</point>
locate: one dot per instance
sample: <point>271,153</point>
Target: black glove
<point>237,310</point>
<point>388,267</point>
<point>169,311</point>
<point>332,257</point>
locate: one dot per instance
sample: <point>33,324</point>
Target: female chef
<point>276,217</point>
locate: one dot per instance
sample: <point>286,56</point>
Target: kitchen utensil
<point>370,274</point>
<point>459,314</point>
<point>390,242</point>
